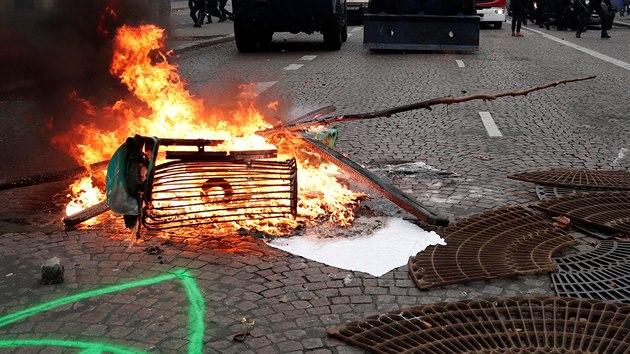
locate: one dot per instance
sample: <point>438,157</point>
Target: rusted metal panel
<point>495,325</point>
<point>499,243</point>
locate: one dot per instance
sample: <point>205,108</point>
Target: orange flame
<point>170,111</point>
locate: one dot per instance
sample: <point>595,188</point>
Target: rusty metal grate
<point>496,325</point>
<point>499,243</point>
<point>602,273</point>
<point>607,210</point>
<point>188,193</point>
<point>577,178</point>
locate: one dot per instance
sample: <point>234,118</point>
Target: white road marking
<point>308,57</point>
<point>460,63</point>
<point>349,35</point>
<point>356,29</point>
<point>261,87</point>
<point>293,67</point>
<point>488,122</point>
<point>598,55</point>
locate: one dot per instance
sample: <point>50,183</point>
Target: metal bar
<point>212,156</point>
<point>86,214</point>
<point>189,142</point>
<point>373,181</point>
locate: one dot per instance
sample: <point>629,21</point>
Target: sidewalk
<point>187,38</point>
<point>622,21</point>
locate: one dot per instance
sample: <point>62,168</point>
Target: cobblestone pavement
<point>285,302</point>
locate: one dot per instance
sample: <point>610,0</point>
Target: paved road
<point>287,302</point>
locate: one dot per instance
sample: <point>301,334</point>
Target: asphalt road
<point>291,300</point>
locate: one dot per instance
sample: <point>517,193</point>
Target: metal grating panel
<point>200,192</point>
<point>496,325</point>
<point>608,210</point>
<point>499,243</point>
<point>577,178</point>
<point>602,273</point>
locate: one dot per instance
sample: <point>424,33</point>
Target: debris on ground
<point>153,250</point>
<point>52,271</point>
<point>561,222</point>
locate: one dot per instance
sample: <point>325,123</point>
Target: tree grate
<point>606,210</point>
<point>577,178</point>
<point>496,325</point>
<point>602,273</point>
<point>500,243</point>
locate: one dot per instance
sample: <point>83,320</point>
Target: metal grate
<point>577,178</point>
<point>188,193</point>
<point>496,325</point>
<point>499,243</point>
<point>602,273</point>
<point>607,210</point>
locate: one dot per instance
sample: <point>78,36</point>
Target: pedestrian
<point>206,8</point>
<point>227,15</point>
<point>602,10</point>
<point>624,7</point>
<point>192,5</point>
<point>519,10</point>
<point>616,6</point>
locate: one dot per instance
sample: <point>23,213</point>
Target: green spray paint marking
<point>196,311</point>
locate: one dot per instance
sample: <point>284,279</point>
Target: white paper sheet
<point>387,248</point>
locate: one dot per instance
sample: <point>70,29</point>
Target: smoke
<point>64,52</point>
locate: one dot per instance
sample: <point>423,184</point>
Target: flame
<point>168,110</point>
<point>84,194</point>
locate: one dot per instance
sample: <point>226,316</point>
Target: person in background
<point>192,5</point>
<point>602,11</point>
<point>226,15</point>
<point>207,8</point>
<point>519,11</point>
<point>617,5</point>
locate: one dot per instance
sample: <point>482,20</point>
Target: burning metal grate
<point>607,210</point>
<point>498,243</point>
<point>577,178</point>
<point>199,187</point>
<point>602,273</point>
<point>209,192</point>
<point>496,325</point>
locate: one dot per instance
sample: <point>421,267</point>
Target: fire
<point>84,195</point>
<point>167,109</point>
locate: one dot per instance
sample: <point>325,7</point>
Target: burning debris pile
<point>218,139</point>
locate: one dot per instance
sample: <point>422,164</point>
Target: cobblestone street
<point>182,290</point>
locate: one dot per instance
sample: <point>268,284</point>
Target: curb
<point>184,47</point>
<point>621,24</point>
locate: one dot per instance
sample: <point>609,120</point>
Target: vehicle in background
<point>356,10</point>
<point>492,12</point>
<point>255,21</point>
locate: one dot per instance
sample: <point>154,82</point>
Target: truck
<point>492,12</point>
<point>255,21</point>
<point>424,25</point>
